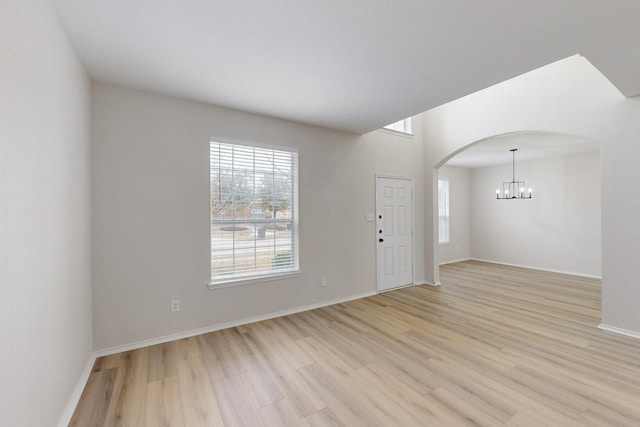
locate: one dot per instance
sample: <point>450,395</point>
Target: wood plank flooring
<point>492,346</point>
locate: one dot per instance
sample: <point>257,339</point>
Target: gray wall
<point>557,230</point>
<point>151,223</point>
<point>45,202</point>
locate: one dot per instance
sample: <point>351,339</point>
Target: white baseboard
<point>65,419</point>
<point>456,260</point>
<point>620,331</point>
<point>220,326</point>
<point>572,273</point>
<point>427,283</point>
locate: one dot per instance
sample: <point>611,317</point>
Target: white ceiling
<point>353,65</point>
<point>530,145</point>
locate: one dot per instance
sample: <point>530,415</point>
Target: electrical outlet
<point>324,281</point>
<point>175,305</point>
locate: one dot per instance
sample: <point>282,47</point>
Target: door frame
<point>375,230</point>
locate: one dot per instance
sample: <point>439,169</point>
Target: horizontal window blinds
<point>443,211</point>
<point>254,211</point>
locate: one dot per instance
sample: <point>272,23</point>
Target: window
<point>443,211</point>
<point>253,210</point>
<point>403,126</point>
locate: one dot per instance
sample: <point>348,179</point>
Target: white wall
<point>45,251</point>
<point>458,248</point>
<point>557,230</point>
<point>620,160</point>
<point>151,223</point>
<point>570,97</point>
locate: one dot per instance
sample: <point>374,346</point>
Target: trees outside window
<point>253,211</point>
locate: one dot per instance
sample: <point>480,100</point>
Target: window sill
<point>252,280</point>
<point>396,132</point>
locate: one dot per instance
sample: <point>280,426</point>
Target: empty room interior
<point>419,213</point>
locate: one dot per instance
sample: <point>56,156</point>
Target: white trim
<point>65,419</point>
<point>620,331</point>
<point>253,280</point>
<point>572,273</point>
<point>459,260</point>
<point>413,226</point>
<point>238,279</point>
<point>396,288</point>
<point>396,132</point>
<point>220,326</point>
<point>425,283</point>
<point>406,178</point>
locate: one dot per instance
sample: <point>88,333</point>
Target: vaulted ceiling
<point>353,65</point>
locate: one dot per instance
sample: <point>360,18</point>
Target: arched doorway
<point>558,230</point>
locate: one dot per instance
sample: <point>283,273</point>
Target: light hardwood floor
<point>492,346</point>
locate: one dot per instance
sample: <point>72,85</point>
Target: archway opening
<point>559,229</point>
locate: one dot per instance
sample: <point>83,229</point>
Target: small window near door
<point>443,211</point>
<point>403,126</point>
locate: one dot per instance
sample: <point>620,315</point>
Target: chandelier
<point>513,189</point>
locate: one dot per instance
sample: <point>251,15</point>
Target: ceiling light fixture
<point>513,189</point>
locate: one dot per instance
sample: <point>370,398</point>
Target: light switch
<point>370,217</point>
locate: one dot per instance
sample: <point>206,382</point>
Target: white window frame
<point>402,126</point>
<point>242,276</point>
<point>444,213</point>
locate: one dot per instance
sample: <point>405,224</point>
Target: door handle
<point>380,240</point>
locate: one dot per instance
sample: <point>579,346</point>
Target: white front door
<point>394,232</point>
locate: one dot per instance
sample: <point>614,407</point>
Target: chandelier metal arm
<point>513,189</point>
